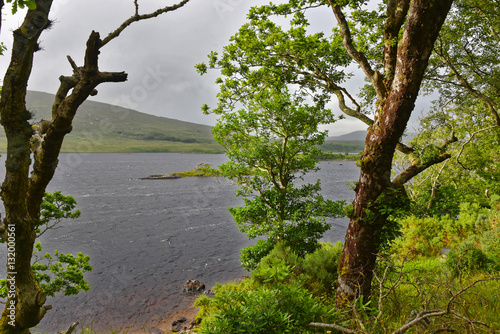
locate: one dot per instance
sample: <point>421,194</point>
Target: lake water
<point>147,237</point>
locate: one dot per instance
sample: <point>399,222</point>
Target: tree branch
<point>138,17</point>
<point>334,326</point>
<point>83,84</point>
<point>465,84</point>
<point>374,76</point>
<point>396,15</point>
<point>470,139</point>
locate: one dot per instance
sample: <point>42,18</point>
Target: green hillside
<point>350,142</point>
<point>101,127</point>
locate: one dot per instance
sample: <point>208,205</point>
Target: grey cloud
<point>173,42</point>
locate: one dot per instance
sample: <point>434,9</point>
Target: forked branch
<point>137,17</point>
<point>374,76</point>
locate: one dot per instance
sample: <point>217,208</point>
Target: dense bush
<point>467,258</point>
<point>281,297</point>
<point>429,236</point>
<point>275,309</point>
<point>317,271</point>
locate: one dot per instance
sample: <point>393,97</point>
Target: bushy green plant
<point>427,236</point>
<point>490,244</point>
<point>278,265</point>
<point>319,269</point>
<point>283,309</point>
<point>468,258</point>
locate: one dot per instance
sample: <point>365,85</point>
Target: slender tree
<point>22,192</point>
<point>270,144</point>
<point>392,46</point>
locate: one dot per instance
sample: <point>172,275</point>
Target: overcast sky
<point>158,54</point>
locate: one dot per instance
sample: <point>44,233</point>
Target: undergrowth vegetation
<point>441,275</point>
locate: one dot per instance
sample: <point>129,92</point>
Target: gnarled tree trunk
<point>22,194</point>
<point>405,64</point>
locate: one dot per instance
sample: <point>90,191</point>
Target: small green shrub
<point>467,258</point>
<point>251,256</point>
<point>429,235</point>
<point>277,266</point>
<point>490,244</point>
<point>283,309</point>
<point>319,269</point>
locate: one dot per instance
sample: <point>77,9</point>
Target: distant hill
<point>102,127</point>
<point>352,136</point>
<point>353,142</point>
<point>350,142</point>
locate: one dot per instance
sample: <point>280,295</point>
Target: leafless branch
<point>138,17</point>
<point>334,326</point>
<point>470,139</point>
<point>136,4</point>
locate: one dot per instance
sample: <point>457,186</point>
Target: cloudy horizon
<point>158,54</point>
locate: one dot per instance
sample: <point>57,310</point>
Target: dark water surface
<point>147,237</point>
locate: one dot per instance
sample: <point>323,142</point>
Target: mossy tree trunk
<point>22,193</point>
<point>405,63</point>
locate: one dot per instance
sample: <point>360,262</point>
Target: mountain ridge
<point>102,127</point>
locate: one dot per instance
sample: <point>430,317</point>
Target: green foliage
<point>278,44</point>
<point>288,309</point>
<point>20,4</point>
<point>467,257</point>
<point>275,300</point>
<point>472,238</point>
<point>251,256</point>
<point>270,145</point>
<point>317,271</point>
<point>465,71</point>
<point>59,272</point>
<point>424,284</point>
<point>54,208</point>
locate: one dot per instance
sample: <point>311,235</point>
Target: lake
<point>146,238</point>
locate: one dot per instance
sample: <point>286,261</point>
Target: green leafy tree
<point>391,44</point>
<point>465,70</point>
<point>33,149</point>
<point>270,144</point>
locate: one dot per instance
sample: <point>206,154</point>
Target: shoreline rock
<point>193,286</point>
<point>160,177</point>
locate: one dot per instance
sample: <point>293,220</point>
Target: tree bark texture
<point>22,193</point>
<point>406,67</point>
<point>29,298</point>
